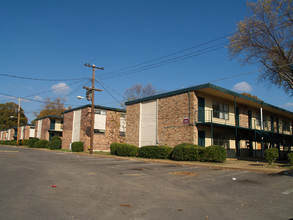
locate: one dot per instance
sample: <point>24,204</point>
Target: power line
<point>39,79</point>
<point>108,91</point>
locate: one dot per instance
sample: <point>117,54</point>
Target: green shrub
<point>290,159</point>
<point>55,138</point>
<point>186,152</point>
<point>24,142</point>
<point>54,145</point>
<point>271,155</point>
<point>77,146</point>
<point>32,141</point>
<point>41,144</point>
<point>12,142</point>
<point>113,147</point>
<point>213,153</point>
<point>126,150</point>
<point>155,152</point>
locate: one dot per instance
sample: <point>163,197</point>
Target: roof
<point>96,107</point>
<point>51,116</point>
<point>204,86</point>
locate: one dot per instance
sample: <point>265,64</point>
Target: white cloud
<point>242,87</point>
<point>61,89</point>
<point>288,105</point>
<point>38,98</point>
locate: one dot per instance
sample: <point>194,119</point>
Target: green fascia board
<point>204,86</point>
<point>51,116</point>
<point>96,107</point>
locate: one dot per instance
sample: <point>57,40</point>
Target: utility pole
<point>18,120</point>
<point>92,92</point>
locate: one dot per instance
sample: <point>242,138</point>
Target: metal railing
<point>241,121</point>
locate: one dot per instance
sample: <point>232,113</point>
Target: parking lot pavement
<point>109,188</point>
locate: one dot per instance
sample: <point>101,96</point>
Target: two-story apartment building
<point>49,126</point>
<point>109,126</point>
<point>206,115</point>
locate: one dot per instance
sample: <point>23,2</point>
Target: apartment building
<point>49,126</point>
<point>210,115</point>
<point>26,131</point>
<point>109,127</point>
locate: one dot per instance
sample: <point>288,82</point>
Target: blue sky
<point>53,39</point>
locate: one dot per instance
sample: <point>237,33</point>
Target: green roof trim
<point>96,107</point>
<point>204,86</point>
<point>51,116</point>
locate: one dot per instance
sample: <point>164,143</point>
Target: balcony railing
<point>241,121</point>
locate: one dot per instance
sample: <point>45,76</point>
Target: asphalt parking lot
<point>90,187</point>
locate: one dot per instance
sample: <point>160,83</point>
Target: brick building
<point>3,135</point>
<point>49,126</point>
<point>207,114</point>
<point>26,131</point>
<point>110,126</point>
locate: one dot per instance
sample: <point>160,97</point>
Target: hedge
<point>55,138</point>
<point>41,144</point>
<point>271,155</point>
<point>77,146</point>
<point>54,145</point>
<point>290,159</point>
<point>113,147</point>
<point>186,152</point>
<point>124,150</point>
<point>213,153</point>
<point>155,152</point>
<point>32,141</point>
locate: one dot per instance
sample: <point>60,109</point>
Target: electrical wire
<point>39,79</point>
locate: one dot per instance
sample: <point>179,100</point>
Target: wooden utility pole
<point>92,89</point>
<point>18,120</point>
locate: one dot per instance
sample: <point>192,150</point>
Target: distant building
<point>109,126</point>
<point>209,115</point>
<point>49,126</point>
<point>26,131</point>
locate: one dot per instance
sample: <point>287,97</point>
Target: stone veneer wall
<point>45,128</point>
<point>132,124</point>
<point>171,112</point>
<point>67,130</point>
<point>102,141</point>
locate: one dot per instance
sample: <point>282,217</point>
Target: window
<point>220,110</point>
<point>122,124</point>
<point>222,140</point>
<point>100,121</point>
<point>286,126</point>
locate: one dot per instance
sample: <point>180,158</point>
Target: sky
<point>172,44</point>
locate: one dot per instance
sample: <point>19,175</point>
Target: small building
<point>11,134</point>
<point>49,126</point>
<point>210,115</point>
<point>26,131</point>
<point>109,127</point>
<point>3,135</point>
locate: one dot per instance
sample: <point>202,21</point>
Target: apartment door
<point>201,104</point>
<point>201,138</point>
<point>249,119</point>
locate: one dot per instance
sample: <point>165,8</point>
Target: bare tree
<point>137,91</point>
<point>52,107</point>
<point>266,37</point>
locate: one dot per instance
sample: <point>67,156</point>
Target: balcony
<point>240,121</point>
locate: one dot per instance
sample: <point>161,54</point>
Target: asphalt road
<point>90,187</point>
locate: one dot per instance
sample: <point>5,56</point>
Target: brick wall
<point>243,116</point>
<point>132,124</point>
